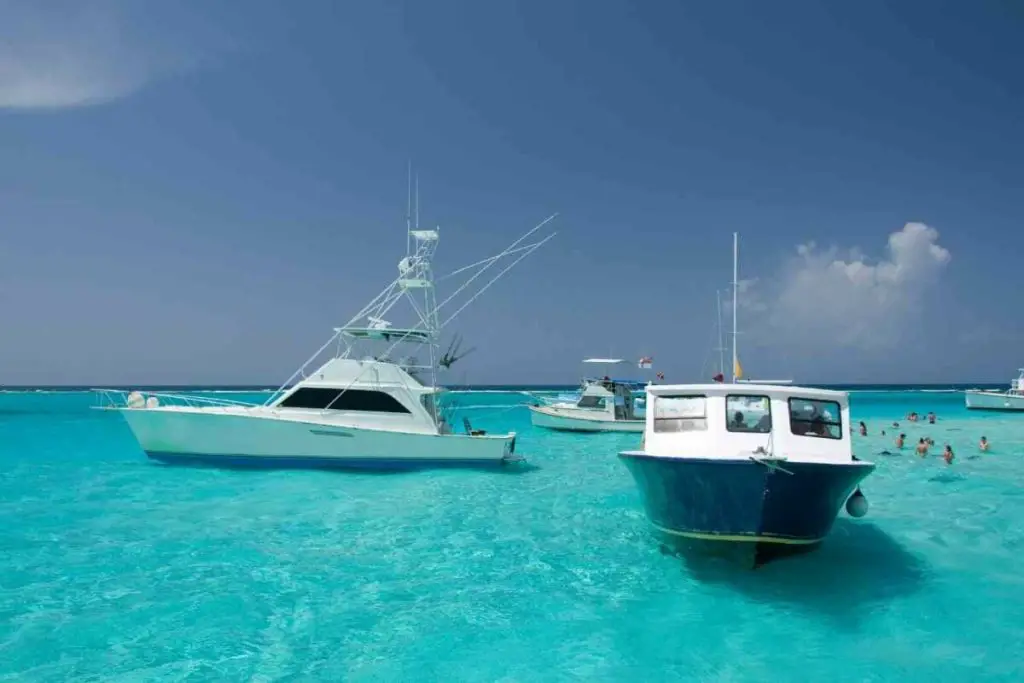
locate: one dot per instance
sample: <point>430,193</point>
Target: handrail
<point>119,398</point>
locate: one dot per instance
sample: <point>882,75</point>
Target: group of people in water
<point>925,442</point>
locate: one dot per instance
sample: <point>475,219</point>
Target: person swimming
<point>899,440</point>
<point>931,418</point>
<point>983,444</point>
<point>895,425</point>
<point>947,455</point>
<point>922,447</point>
<point>863,429</point>
<point>929,440</point>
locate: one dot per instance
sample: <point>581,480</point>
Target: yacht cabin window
<point>597,402</point>
<point>751,414</point>
<point>680,413</point>
<point>360,400</point>
<point>820,419</point>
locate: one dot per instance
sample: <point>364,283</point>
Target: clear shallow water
<point>112,568</point>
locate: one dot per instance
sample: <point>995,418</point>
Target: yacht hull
<point>992,400</point>
<point>755,507</point>
<point>571,420</point>
<point>204,437</point>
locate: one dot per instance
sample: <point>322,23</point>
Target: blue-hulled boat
<point>763,469</point>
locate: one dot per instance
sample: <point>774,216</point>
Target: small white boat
<point>763,469</point>
<point>1007,401</point>
<point>358,409</point>
<point>604,405</point>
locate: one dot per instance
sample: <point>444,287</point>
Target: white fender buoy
<point>857,504</point>
<point>136,400</point>
<point>152,402</point>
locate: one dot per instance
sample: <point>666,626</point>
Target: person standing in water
<point>931,418</point>
<point>983,444</point>
<point>899,440</point>
<point>947,455</point>
<point>922,447</point>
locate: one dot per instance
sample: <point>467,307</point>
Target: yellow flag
<point>737,369</point>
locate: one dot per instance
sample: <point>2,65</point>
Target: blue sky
<point>196,192</point>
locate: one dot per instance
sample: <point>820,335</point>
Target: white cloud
<point>828,298</point>
<point>56,54</point>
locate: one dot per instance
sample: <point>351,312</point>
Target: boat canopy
<point>631,382</point>
<point>605,361</point>
<point>386,333</point>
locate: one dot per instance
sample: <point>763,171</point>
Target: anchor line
<point>771,465</point>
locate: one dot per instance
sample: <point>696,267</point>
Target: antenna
<point>417,201</point>
<point>408,211</point>
<point>735,295</point>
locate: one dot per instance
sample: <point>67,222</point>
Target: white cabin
<point>737,421</point>
<point>366,393</point>
<point>608,397</point>
<point>1017,385</point>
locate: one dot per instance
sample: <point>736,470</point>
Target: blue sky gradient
<point>197,194</point>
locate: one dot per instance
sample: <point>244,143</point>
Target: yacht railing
<point>119,398</point>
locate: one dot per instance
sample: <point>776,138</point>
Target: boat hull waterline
<point>996,401</point>
<point>574,420</point>
<point>249,440</point>
<point>744,501</point>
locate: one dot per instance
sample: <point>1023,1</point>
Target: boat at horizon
<point>1010,401</point>
<point>604,404</point>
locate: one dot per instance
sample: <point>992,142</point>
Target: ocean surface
<point>116,569</point>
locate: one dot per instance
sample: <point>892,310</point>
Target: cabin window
<point>751,414</point>
<point>597,402</point>
<point>680,414</point>
<point>319,398</point>
<point>821,419</point>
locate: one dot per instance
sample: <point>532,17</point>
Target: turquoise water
<point>112,568</point>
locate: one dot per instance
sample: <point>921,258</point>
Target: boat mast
<point>721,334</point>
<point>735,296</point>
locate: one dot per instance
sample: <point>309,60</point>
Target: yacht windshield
<point>596,402</point>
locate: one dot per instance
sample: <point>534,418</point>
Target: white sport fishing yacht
<point>358,409</point>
